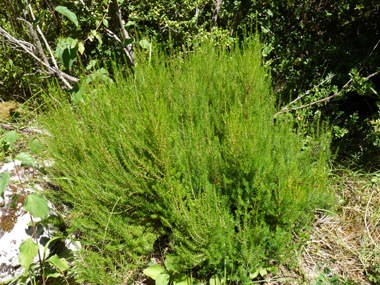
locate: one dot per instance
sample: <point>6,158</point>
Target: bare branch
<point>316,102</point>
<point>33,33</point>
<point>324,99</point>
<point>49,70</point>
<point>43,38</point>
<point>124,33</point>
<point>237,17</point>
<point>113,35</point>
<point>307,92</point>
<point>217,5</point>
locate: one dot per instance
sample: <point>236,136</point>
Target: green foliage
<point>188,148</point>
<point>37,206</point>
<point>164,276</point>
<point>66,51</point>
<point>4,182</point>
<point>326,277</point>
<point>374,273</point>
<point>28,251</point>
<point>154,270</point>
<point>69,14</point>
<point>60,263</point>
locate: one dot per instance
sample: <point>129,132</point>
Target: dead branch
<point>43,38</point>
<point>28,48</point>
<point>33,33</point>
<point>324,99</point>
<point>217,5</point>
<point>28,130</point>
<point>307,92</point>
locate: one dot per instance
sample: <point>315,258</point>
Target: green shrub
<point>187,148</point>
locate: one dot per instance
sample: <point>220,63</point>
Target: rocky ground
<point>14,225</point>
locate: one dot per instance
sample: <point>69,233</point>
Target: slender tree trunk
<point>217,5</point>
<point>124,34</point>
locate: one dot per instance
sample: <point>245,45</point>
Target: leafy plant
<point>37,207</point>
<point>168,274</point>
<point>190,151</point>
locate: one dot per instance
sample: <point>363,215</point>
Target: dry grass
<point>344,244</point>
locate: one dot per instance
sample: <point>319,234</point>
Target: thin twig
<point>26,130</point>
<point>370,55</point>
<point>43,37</point>
<point>308,91</point>
<point>324,99</point>
<point>313,103</point>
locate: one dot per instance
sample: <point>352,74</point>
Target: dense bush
<point>187,148</point>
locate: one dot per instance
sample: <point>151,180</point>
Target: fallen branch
<point>50,71</point>
<point>28,130</point>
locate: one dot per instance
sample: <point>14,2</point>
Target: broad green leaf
<point>10,137</point>
<point>53,274</point>
<point>215,280</point>
<point>66,51</point>
<point>77,94</point>
<point>91,64</point>
<point>27,159</point>
<point>128,41</point>
<point>81,47</point>
<point>129,23</point>
<point>255,274</point>
<point>99,38</point>
<point>100,74</point>
<point>59,262</point>
<point>263,272</point>
<point>163,278</point>
<point>105,22</point>
<point>13,204</point>
<point>35,146</point>
<point>4,182</point>
<point>66,12</point>
<point>181,279</point>
<point>144,44</point>
<point>154,270</point>
<point>37,205</point>
<point>28,251</point>
<point>169,262</point>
